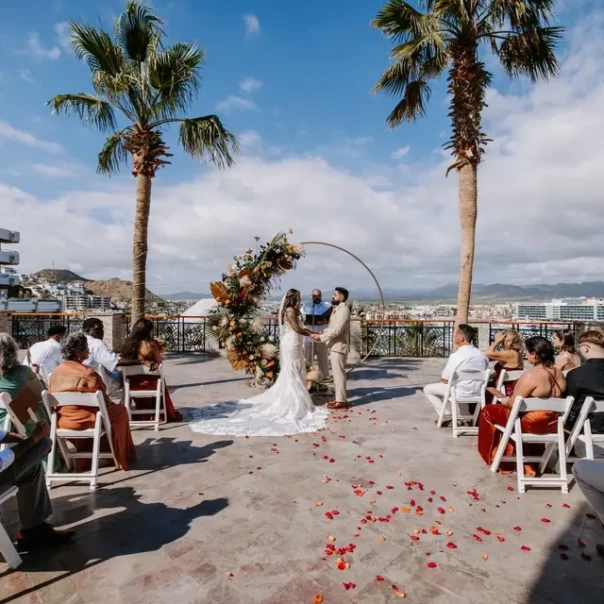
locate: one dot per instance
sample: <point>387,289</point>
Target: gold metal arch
<point>377,284</point>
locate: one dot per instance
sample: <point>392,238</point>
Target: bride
<point>286,407</point>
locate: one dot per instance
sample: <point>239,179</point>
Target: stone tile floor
<point>199,507</point>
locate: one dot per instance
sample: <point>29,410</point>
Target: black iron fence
<point>529,330</point>
<point>407,338</point>
<point>29,329</point>
<point>180,334</point>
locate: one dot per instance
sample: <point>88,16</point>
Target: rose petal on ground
<point>565,505</point>
<point>228,574</point>
<point>562,547</point>
<point>389,486</point>
<point>379,578</point>
<point>431,565</point>
<point>517,528</point>
<point>382,538</point>
<point>348,586</point>
<point>329,515</point>
<point>545,520</point>
<point>414,538</point>
<point>317,599</point>
<point>477,538</point>
<point>585,556</point>
<point>405,509</point>
<point>441,510</point>
<point>335,512</point>
<point>485,557</point>
<point>450,509</point>
<point>525,548</point>
<point>318,504</point>
<point>449,533</point>
<point>342,564</point>
<point>590,516</point>
<point>331,538</point>
<point>451,545</point>
<point>510,488</point>
<point>500,539</point>
<point>581,543</point>
<point>372,501</point>
<point>564,556</point>
<point>442,498</point>
<point>412,503</point>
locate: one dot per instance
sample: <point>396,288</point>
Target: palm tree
<point>150,87</point>
<point>449,36</point>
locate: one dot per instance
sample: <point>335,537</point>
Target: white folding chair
<point>513,430</point>
<point>582,429</point>
<point>481,380</point>
<point>157,394</point>
<point>7,548</point>
<point>6,423</point>
<point>507,376</point>
<point>102,427</point>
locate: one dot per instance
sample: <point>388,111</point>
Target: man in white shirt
<point>316,317</point>
<point>466,358</point>
<point>21,465</point>
<point>45,357</point>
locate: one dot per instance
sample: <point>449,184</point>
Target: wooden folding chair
<point>102,427</point>
<point>7,548</point>
<point>582,429</point>
<point>131,394</point>
<point>513,431</point>
<point>481,380</point>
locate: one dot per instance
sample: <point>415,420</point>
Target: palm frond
<point>398,19</point>
<point>207,137</point>
<point>413,104</point>
<point>137,31</point>
<point>88,107</point>
<point>175,75</point>
<point>112,155</point>
<point>96,48</point>
<point>531,53</point>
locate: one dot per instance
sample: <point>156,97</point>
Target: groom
<point>337,339</point>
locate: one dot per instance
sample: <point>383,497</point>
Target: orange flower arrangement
<point>239,293</point>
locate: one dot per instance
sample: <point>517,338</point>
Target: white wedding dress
<point>285,408</point>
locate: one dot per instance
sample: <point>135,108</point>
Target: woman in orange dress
<point>72,376</point>
<point>140,345</point>
<point>543,380</point>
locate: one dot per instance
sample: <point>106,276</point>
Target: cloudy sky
<point>293,80</point>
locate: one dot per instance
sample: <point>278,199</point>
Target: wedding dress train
<point>285,408</point>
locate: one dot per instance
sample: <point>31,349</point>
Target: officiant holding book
<point>316,317</point>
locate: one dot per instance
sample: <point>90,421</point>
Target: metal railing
<point>31,328</point>
<point>402,338</point>
<point>531,329</point>
<point>180,334</point>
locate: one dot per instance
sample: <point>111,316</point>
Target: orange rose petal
<point>382,538</point>
<point>318,504</point>
<point>405,509</point>
<point>317,599</point>
<point>399,592</point>
<point>485,557</point>
<point>449,533</point>
<point>331,538</point>
<point>228,574</point>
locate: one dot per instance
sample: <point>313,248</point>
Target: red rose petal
<point>335,512</point>
<point>451,545</point>
<point>510,488</point>
<point>525,548</point>
<point>517,528</point>
<point>414,538</point>
<point>565,505</point>
<point>477,538</point>
<point>431,565</point>
<point>545,520</point>
<point>329,515</point>
<point>389,486</point>
<point>348,586</point>
<point>379,578</point>
<point>581,543</point>
<point>500,538</point>
<point>441,510</point>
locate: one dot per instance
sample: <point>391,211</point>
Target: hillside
<point>58,275</point>
<point>118,290</point>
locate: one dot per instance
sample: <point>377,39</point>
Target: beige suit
<point>337,339</point>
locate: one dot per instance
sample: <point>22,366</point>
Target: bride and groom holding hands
<point>287,408</point>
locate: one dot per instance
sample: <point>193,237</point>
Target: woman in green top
<point>14,376</point>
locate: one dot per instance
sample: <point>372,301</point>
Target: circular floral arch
<point>244,285</point>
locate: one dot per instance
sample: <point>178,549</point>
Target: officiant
<point>316,317</point>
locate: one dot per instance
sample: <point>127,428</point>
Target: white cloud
<point>63,32</point>
<point>236,103</point>
<point>540,205</point>
<point>252,25</point>
<point>400,153</point>
<point>26,75</point>
<point>250,84</point>
<point>34,48</point>
<point>9,133</point>
<point>57,170</point>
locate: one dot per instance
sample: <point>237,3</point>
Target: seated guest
<point>589,474</point>
<point>564,341</point>
<point>543,380</point>
<point>45,357</point>
<point>466,358</point>
<point>14,377</point>
<point>588,379</point>
<point>73,376</point>
<point>21,466</point>
<point>509,358</point>
<point>142,347</point>
<point>103,360</point>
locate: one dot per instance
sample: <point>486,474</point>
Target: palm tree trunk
<point>468,211</point>
<point>139,245</point>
